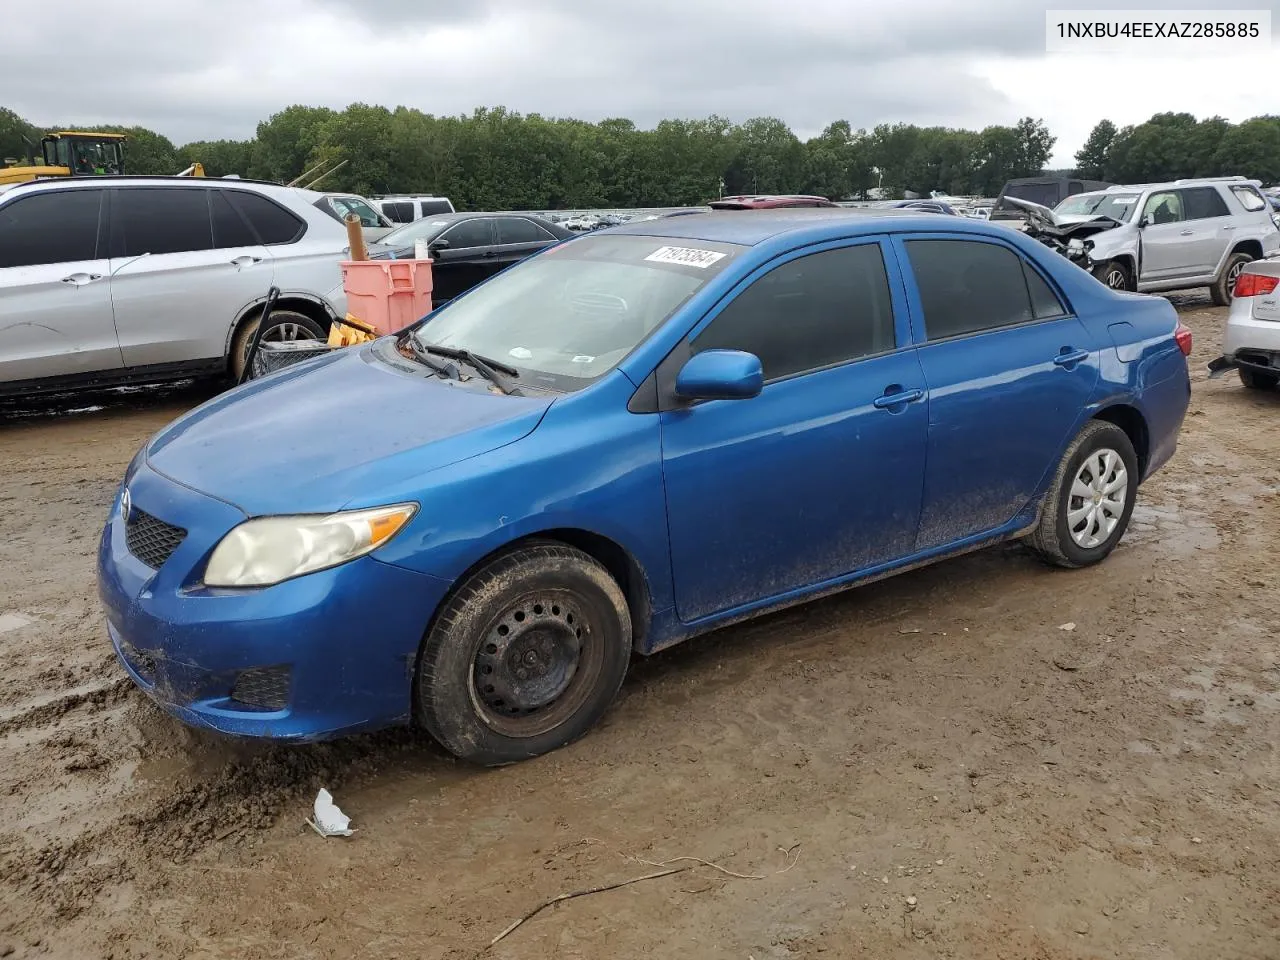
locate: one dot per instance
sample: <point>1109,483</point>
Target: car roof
<point>804,223</point>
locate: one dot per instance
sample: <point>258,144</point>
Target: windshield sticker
<point>583,359</point>
<point>685,256</point>
<point>520,353</point>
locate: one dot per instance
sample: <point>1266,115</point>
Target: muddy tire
<point>1221,290</point>
<point>1115,275</point>
<point>1255,380</point>
<point>525,657</point>
<point>282,325</point>
<point>1087,509</point>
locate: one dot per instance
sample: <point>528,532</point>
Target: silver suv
<point>1156,237</point>
<point>117,279</point>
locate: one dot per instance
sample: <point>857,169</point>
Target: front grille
<point>150,539</point>
<point>264,687</point>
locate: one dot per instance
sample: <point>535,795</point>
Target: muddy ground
<point>928,767</point>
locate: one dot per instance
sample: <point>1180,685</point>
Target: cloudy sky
<point>212,70</point>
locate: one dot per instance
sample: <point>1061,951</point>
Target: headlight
<point>1075,245</point>
<point>268,550</point>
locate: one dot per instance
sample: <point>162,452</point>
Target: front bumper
<point>321,655</point>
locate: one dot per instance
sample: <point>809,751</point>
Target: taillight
<point>1254,285</point>
<point>1183,335</point>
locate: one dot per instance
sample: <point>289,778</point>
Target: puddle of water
<point>1171,528</point>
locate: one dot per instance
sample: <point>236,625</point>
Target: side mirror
<point>1144,221</point>
<point>438,245</point>
<point>720,375</point>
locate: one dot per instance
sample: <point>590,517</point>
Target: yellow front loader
<point>71,153</point>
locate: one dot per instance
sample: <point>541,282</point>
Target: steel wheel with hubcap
<point>1098,497</point>
<point>525,656</point>
<point>1087,508</point>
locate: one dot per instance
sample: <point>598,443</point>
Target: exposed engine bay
<point>1069,236</point>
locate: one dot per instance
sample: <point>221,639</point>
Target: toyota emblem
<point>126,503</point>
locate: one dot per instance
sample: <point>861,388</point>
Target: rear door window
<point>272,222</point>
<point>468,234</point>
<point>1249,198</point>
<point>1202,203</point>
<point>230,229</point>
<point>436,206</point>
<point>520,230</point>
<point>60,226</point>
<point>812,312</point>
<point>967,287</point>
<point>160,220</point>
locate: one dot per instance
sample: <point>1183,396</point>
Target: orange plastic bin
<point>387,294</point>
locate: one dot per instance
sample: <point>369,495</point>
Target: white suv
<point>123,279</point>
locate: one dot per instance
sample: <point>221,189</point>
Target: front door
<point>818,476</point>
<point>469,259</point>
<point>1168,248</point>
<point>55,301</point>
<point>176,295</point>
<point>1009,371</point>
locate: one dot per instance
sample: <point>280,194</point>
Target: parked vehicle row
<point>600,452</point>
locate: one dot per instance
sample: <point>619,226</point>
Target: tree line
<point>497,159</point>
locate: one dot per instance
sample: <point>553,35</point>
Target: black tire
<point>1114,274</point>
<point>297,326</point>
<point>1052,538</point>
<point>1255,380</point>
<point>1222,288</point>
<point>524,613</point>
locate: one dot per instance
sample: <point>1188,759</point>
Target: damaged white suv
<point>1157,237</point>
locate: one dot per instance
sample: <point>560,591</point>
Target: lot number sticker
<point>685,256</point>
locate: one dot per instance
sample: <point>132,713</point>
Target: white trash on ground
<point>329,820</point>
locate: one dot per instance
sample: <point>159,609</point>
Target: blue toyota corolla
<point>617,444</point>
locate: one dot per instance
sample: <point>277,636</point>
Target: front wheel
<point>1114,274</point>
<point>1088,507</point>
<point>525,657</point>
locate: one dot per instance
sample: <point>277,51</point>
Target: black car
<point>468,248</point>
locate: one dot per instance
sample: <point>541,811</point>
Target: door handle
<point>244,261</point>
<point>489,254</point>
<point>1228,226</point>
<point>80,279</point>
<point>1185,233</point>
<point>896,398</point>
<point>1069,358</point>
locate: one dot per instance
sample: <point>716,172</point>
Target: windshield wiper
<point>495,371</point>
<point>446,370</point>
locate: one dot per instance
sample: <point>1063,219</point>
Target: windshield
<point>425,229</point>
<point>570,314</point>
<point>1117,206</point>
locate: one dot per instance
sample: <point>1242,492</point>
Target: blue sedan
<point>622,442</point>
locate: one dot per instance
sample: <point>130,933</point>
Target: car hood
<point>317,436</point>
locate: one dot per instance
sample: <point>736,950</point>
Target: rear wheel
<point>282,326</point>
<point>1223,287</point>
<point>525,657</point>
<point>1255,380</point>
<point>1114,274</point>
<point>1088,507</point>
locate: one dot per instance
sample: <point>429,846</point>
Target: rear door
<point>519,237</point>
<point>820,475</point>
<point>55,300</point>
<point>176,294</point>
<point>1009,370</point>
<point>470,258</point>
<point>1210,225</point>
